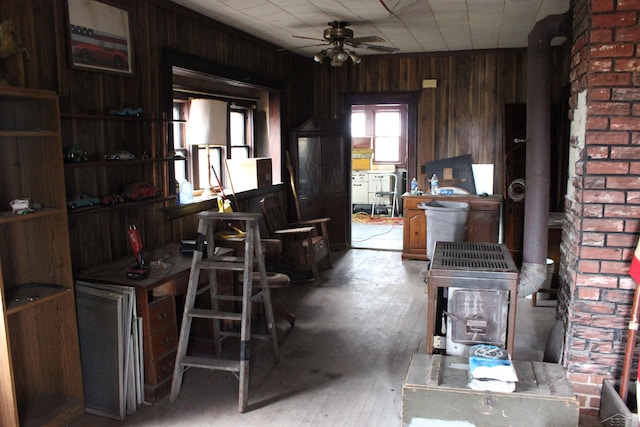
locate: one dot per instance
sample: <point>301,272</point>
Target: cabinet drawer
<point>162,313</point>
<point>180,284</point>
<point>412,202</point>
<point>164,341</point>
<point>163,367</point>
<point>485,205</point>
<point>173,287</point>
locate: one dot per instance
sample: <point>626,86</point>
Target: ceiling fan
<point>337,36</point>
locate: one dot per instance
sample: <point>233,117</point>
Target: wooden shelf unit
<point>99,134</point>
<point>40,372</point>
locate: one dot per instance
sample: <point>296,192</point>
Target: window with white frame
<point>215,130</point>
<point>386,127</point>
<point>240,127</point>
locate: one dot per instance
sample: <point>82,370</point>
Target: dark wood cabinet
<point>483,223</point>
<point>318,153</point>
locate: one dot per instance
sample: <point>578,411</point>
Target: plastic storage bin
<point>446,222</point>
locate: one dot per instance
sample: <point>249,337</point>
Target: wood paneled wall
<point>156,24</point>
<point>464,114</point>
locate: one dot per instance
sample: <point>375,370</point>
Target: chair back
<point>273,213</point>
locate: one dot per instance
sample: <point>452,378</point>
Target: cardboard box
<point>250,174</point>
<point>361,164</point>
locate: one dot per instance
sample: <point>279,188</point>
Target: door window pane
<point>388,123</point>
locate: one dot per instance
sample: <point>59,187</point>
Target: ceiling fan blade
<point>366,39</point>
<point>301,47</point>
<point>385,49</point>
<point>308,38</point>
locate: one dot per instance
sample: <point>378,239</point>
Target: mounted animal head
<point>9,44</point>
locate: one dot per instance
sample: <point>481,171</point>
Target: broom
<point>634,271</point>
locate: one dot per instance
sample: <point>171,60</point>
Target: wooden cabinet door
<point>416,232</point>
<point>309,162</point>
<point>414,244</point>
<point>484,226</point>
<point>318,156</point>
<point>484,220</point>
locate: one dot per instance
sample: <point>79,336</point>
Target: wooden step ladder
<point>253,256</point>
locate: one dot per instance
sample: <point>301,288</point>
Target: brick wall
<point>602,207</point>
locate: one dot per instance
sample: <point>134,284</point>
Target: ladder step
<point>228,334</point>
<point>203,313</point>
<point>227,258</point>
<point>211,363</point>
<point>258,296</point>
<point>220,265</point>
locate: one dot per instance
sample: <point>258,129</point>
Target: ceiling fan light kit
<point>337,56</point>
<point>320,56</point>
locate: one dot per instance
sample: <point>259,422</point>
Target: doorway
<point>383,147</point>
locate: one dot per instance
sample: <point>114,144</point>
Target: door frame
<point>410,99</point>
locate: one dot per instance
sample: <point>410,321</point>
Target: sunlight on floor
<point>377,232</point>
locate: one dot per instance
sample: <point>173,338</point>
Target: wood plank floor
<point>342,364</point>
<point>382,236</point>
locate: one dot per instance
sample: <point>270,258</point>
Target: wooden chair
<point>304,243</point>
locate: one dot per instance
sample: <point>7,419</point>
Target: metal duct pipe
<point>536,218</point>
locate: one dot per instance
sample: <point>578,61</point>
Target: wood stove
<point>471,297</point>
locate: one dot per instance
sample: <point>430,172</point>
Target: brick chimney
<point>602,206</point>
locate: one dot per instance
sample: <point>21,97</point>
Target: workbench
<point>156,298</point>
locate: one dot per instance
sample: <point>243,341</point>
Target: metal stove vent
<point>472,256</point>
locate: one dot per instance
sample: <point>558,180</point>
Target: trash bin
<point>446,222</point>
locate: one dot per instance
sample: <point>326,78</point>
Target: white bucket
<point>547,282</point>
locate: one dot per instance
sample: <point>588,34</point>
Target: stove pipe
<point>536,219</point>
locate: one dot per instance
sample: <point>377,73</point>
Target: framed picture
<point>100,36</point>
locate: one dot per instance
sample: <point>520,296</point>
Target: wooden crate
<point>435,392</point>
